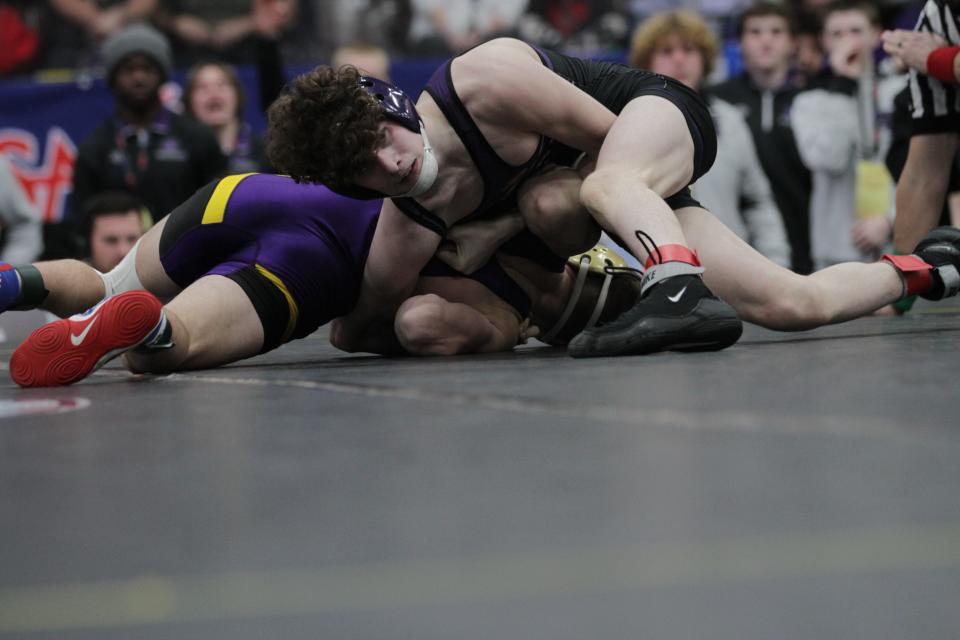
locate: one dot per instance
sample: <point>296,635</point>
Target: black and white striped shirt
<point>936,106</point>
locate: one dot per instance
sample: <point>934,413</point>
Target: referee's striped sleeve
<point>935,107</point>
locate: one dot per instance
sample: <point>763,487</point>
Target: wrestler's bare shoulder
<point>507,60</point>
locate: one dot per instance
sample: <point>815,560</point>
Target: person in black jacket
<point>144,149</point>
<point>764,92</point>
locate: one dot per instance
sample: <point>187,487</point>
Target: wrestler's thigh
<point>734,270</point>
<point>650,136</point>
<point>221,322</point>
<point>150,269</point>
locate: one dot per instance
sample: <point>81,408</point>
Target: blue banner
<point>42,124</point>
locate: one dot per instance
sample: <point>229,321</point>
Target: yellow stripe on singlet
<point>217,204</point>
<point>291,303</point>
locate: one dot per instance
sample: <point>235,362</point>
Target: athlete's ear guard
<point>397,105</point>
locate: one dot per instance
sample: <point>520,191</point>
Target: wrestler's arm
<point>398,252</point>
<point>547,203</point>
<point>470,245</point>
<point>527,96</point>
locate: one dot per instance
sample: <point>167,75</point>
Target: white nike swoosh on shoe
<point>77,340</point>
<point>677,297</point>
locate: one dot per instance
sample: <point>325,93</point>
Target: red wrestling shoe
<point>68,350</point>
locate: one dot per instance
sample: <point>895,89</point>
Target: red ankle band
<point>940,64</point>
<point>917,274</point>
<point>672,253</point>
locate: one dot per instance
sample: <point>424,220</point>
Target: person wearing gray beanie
<point>137,38</point>
<point>144,148</point>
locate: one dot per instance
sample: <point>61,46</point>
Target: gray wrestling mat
<point>793,486</point>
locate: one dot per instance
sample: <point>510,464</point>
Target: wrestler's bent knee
<point>419,325</point>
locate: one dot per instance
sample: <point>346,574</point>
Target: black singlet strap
<point>413,210</point>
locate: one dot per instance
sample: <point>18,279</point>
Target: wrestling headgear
<point>397,105</point>
<point>400,108</point>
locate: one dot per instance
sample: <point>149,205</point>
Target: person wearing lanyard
<point>143,148</point>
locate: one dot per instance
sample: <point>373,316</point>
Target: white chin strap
<point>428,170</point>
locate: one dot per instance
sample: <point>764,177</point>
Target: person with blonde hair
<point>681,44</point>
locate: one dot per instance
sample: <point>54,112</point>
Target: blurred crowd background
<point>810,114</point>
<point>64,34</point>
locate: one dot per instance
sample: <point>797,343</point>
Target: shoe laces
<point>612,270</point>
<point>649,249</point>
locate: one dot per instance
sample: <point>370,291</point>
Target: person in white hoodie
<point>842,131</point>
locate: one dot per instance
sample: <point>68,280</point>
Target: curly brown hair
<point>325,128</point>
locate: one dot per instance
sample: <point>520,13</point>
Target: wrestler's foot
<point>941,248</point>
<point>68,350</point>
<point>678,314</point>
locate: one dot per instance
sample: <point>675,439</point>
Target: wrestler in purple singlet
<point>274,237</point>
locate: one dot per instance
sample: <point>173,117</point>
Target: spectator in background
<point>576,27</point>
<point>810,57</point>
<point>764,93</point>
<point>113,221</point>
<point>450,27</point>
<point>144,149</point>
<point>721,15</point>
<point>19,36</point>
<point>369,58</point>
<point>226,29</point>
<point>214,96</point>
<point>19,220</point>
<point>385,23</point>
<point>682,45</point>
<point>76,28</point>
<point>836,124</point>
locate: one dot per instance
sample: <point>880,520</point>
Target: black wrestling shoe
<point>678,314</point>
<point>941,249</point>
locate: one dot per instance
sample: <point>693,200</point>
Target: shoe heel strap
<point>917,274</point>
<point>672,253</point>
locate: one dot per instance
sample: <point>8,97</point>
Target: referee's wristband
<point>940,64</point>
